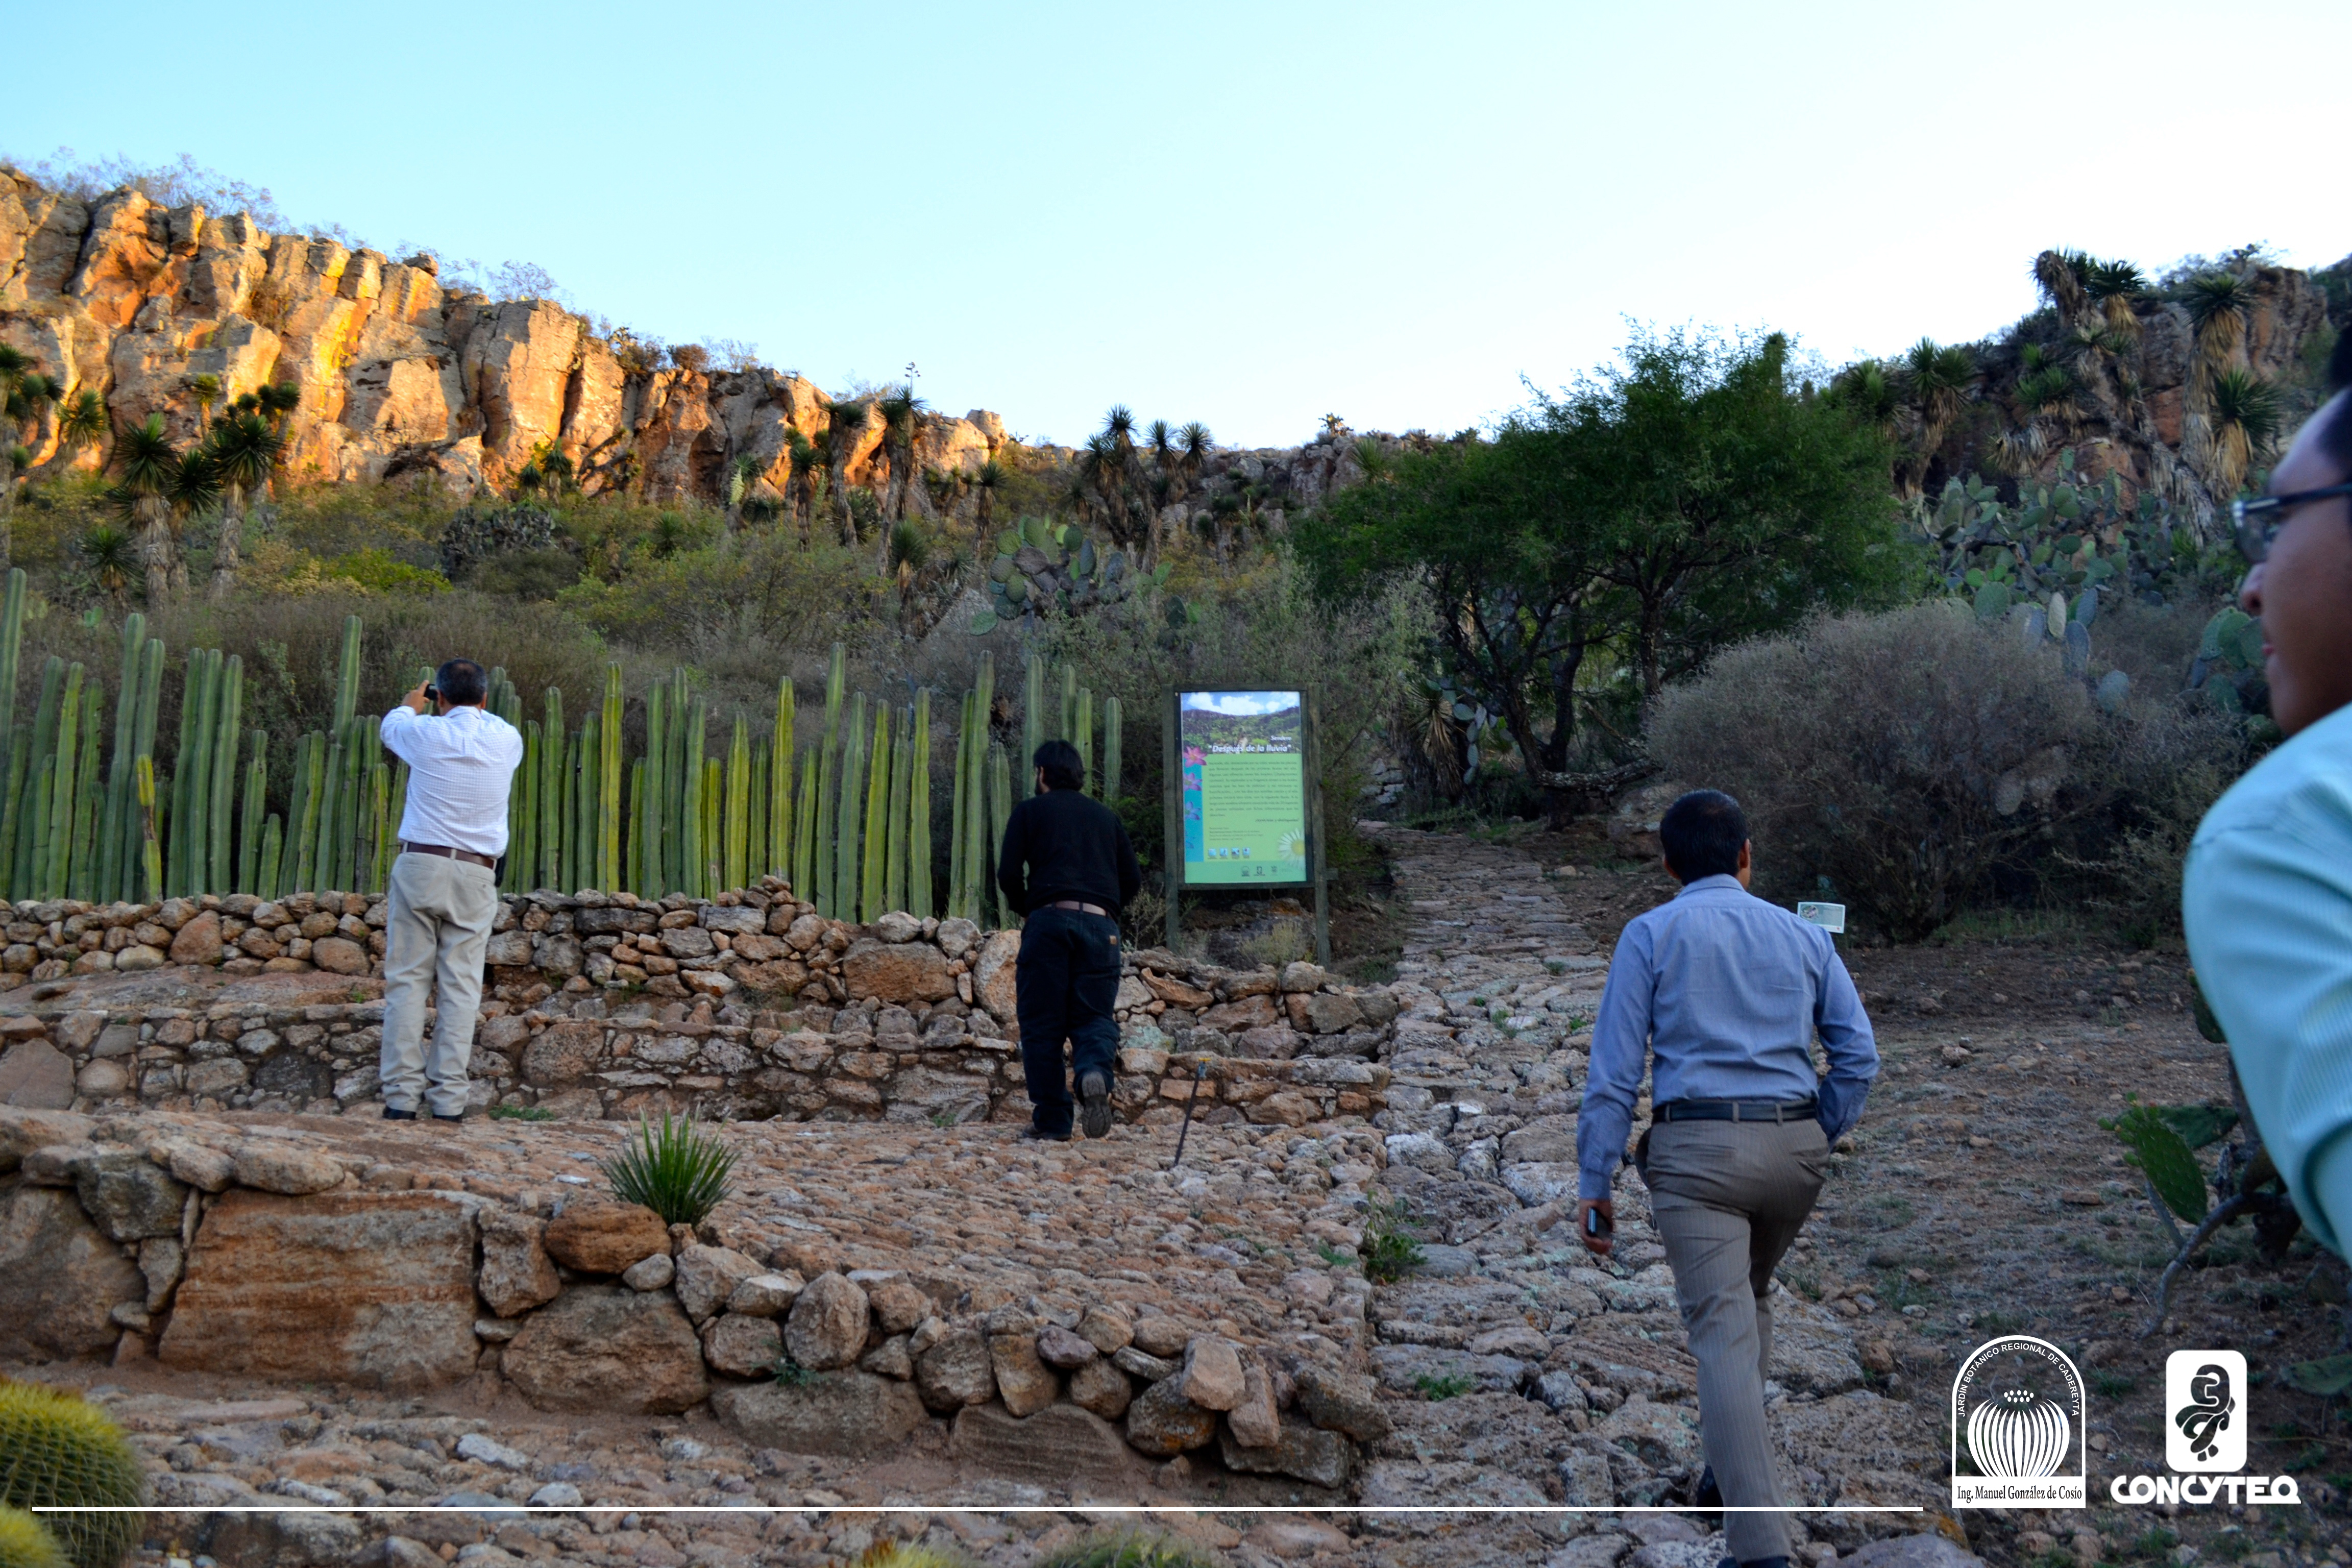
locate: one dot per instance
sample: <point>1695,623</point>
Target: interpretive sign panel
<point>1243,755</point>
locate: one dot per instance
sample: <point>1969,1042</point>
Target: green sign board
<point>1243,756</point>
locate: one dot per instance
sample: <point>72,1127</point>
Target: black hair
<point>1702,832</point>
<point>461,682</point>
<point>1063,767</point>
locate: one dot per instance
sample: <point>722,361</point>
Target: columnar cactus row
<point>848,819</point>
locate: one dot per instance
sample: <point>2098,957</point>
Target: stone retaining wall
<point>747,1006</point>
<point>286,1258</point>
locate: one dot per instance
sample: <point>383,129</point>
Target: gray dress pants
<point>437,933</point>
<point>1727,1198</point>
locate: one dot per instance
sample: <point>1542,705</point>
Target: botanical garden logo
<point>2017,1427</point>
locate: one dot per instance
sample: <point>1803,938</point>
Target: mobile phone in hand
<point>432,694</point>
<point>1596,1223</point>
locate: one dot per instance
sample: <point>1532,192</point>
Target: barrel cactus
<point>24,1544</point>
<point>58,1451</point>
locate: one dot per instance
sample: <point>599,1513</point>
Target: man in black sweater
<point>1067,868</point>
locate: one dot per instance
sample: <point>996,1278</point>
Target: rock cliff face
<point>398,375</point>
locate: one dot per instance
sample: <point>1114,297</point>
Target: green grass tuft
<point>1390,1252</point>
<point>521,1113</point>
<point>678,1172</point>
<point>1436,1386</point>
<point>1130,1549</point>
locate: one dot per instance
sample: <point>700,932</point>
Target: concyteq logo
<point>2205,1438</point>
<point>2017,1427</point>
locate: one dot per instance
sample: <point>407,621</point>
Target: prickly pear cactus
<point>1043,567</point>
<point>58,1451</point>
<point>474,535</point>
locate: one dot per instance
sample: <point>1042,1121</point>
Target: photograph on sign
<point>1245,786</point>
<point>1829,917</point>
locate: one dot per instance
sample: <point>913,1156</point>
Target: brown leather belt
<point>447,853</point>
<point>1082,909</point>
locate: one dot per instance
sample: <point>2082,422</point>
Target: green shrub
<point>1435,1387</point>
<point>24,1544</point>
<point>521,1113</point>
<point>1389,1251</point>
<point>677,1172</point>
<point>58,1451</point>
<point>1917,762</point>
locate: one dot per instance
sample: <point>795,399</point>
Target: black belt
<point>1082,907</point>
<point>1737,1110</point>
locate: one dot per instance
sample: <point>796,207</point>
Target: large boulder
<point>955,1370</point>
<point>1056,1446</point>
<point>26,1129</point>
<point>1163,1422</point>
<point>599,1237</point>
<point>991,974</point>
<point>1027,1384</point>
<point>37,1076</point>
<point>59,1278</point>
<point>517,1273</point>
<point>1305,1452</point>
<point>897,972</point>
<point>129,1195</point>
<point>608,1348</point>
<point>707,1277</point>
<point>1342,1401</point>
<point>847,1413</point>
<point>368,1289</point>
<point>828,1325</point>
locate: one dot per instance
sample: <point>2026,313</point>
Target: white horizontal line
<point>543,1512</point>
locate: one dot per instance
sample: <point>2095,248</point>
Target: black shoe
<point>460,1117</point>
<point>1764,1563</point>
<point>391,1115</point>
<point>1039,1135</point>
<point>1094,1104</point>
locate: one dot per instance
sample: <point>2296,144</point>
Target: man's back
<point>1721,994</point>
<point>1062,843</point>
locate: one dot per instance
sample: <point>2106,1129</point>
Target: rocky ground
<point>1977,1195</point>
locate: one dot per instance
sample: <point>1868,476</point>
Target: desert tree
<point>1937,380</point>
<point>2243,418</point>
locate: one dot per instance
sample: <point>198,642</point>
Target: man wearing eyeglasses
<point>2267,891</point>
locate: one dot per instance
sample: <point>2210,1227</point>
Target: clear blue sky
<point>1245,214</point>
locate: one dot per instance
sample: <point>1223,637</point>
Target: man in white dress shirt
<point>445,884</point>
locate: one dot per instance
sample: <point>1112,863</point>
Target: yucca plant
<point>2116,285</point>
<point>112,557</point>
<point>2245,420</point>
<point>2218,305</point>
<point>1131,1549</point>
<point>24,1544</point>
<point>59,1451</point>
<point>677,1172</point>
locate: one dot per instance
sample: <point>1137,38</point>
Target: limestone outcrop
<point>398,374</point>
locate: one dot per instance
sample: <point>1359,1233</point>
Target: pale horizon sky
<point>1249,215</point>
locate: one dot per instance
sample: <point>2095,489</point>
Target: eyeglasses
<point>2256,522</point>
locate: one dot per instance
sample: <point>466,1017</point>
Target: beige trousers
<point>1727,1198</point>
<point>437,932</point>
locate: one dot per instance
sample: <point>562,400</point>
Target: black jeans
<point>1065,985</point>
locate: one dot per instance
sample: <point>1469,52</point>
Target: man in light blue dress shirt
<point>1721,994</point>
<point>2267,891</point>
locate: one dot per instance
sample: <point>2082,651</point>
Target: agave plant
<point>677,1170</point>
